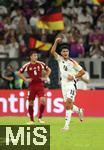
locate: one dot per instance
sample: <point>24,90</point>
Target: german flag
<point>36,44</point>
<point>98,2</point>
<point>59,2</point>
<point>52,20</point>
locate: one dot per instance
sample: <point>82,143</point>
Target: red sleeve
<point>23,68</point>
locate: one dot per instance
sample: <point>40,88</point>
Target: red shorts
<point>36,91</point>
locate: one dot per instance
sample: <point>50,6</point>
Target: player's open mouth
<point>65,55</point>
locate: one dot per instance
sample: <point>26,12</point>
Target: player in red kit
<point>36,80</point>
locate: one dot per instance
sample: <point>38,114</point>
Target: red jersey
<point>34,71</point>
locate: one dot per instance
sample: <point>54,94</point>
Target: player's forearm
<point>48,73</point>
<point>85,80</point>
<point>80,74</point>
<point>53,49</point>
<point>21,76</point>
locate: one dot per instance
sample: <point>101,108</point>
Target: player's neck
<point>33,62</point>
<point>66,59</point>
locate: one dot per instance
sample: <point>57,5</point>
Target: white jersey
<point>67,67</point>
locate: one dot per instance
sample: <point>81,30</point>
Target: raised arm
<point>53,49</point>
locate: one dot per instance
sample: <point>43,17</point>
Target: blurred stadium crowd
<point>84,29</point>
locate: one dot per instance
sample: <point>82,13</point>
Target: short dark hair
<point>63,46</point>
<point>32,52</point>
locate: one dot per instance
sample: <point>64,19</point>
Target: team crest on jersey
<point>30,68</point>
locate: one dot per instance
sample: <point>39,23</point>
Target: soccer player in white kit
<point>70,71</point>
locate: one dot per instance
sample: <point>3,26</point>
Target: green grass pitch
<point>88,135</point>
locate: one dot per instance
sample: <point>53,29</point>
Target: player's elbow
<point>82,72</point>
<point>49,70</point>
<point>88,81</point>
<point>52,52</point>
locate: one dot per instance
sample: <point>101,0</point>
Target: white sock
<point>68,117</point>
<point>75,109</point>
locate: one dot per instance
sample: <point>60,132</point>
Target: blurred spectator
<point>23,25</point>
<point>77,48</point>
<point>3,10</point>
<point>13,81</point>
<point>27,12</point>
<point>33,20</point>
<point>7,22</point>
<point>30,3</point>
<point>3,53</point>
<point>83,19</point>
<point>66,10</point>
<point>9,77</point>
<point>96,50</point>
<point>96,35</point>
<point>20,22</point>
<point>8,34</point>
<point>95,15</point>
<point>6,3</point>
<point>1,26</point>
<point>22,48</point>
<point>100,22</point>
<point>12,48</point>
<point>16,18</point>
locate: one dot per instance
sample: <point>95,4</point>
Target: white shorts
<point>68,92</point>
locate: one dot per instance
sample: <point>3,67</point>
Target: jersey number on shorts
<point>72,92</point>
